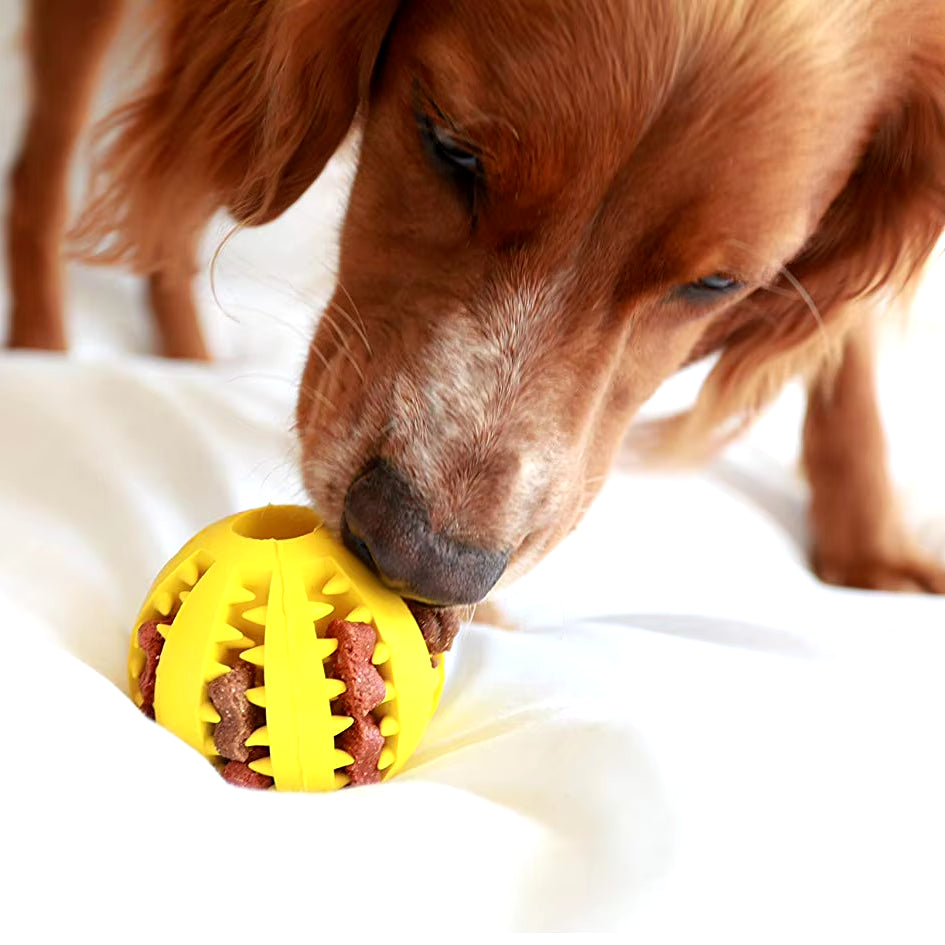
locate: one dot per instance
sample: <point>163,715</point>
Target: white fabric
<point>688,738</point>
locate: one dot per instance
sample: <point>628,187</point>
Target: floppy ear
<point>876,236</point>
<point>247,103</point>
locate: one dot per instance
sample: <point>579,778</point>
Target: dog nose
<point>388,527</point>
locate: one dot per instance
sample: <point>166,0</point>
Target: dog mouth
<point>438,625</point>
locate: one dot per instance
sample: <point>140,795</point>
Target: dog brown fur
<point>492,339</point>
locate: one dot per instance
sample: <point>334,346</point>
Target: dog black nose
<point>388,526</point>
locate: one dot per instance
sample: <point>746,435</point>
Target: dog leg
<point>67,39</point>
<point>858,537</point>
<point>172,302</point>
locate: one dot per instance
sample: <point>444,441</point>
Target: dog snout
<point>387,525</point>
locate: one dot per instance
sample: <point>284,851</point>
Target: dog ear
<point>874,239</point>
<point>244,108</point>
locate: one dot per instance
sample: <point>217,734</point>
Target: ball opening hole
<point>279,522</point>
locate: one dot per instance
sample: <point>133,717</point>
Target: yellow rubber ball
<point>261,589</point>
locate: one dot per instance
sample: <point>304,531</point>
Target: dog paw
<point>909,572</point>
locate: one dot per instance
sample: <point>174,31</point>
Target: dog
<point>557,206</point>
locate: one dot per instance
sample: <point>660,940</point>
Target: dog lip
<point>411,595</point>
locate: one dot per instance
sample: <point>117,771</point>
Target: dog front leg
<point>857,534</point>
<point>67,43</point>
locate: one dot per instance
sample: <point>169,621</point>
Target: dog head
<point>556,206</point>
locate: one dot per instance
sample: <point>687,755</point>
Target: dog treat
<point>240,774</point>
<point>239,718</point>
<point>438,626</point>
<point>364,742</point>
<point>151,641</point>
<point>351,663</point>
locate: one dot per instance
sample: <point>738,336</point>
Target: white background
<point>687,738</point>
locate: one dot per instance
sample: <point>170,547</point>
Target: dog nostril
<point>387,526</point>
<point>356,545</point>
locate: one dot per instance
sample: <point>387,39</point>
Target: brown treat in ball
<point>240,774</point>
<point>438,626</point>
<point>239,718</point>
<point>152,642</point>
<point>356,641</point>
<point>351,663</point>
<point>364,742</point>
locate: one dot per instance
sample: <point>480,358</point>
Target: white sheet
<point>688,739</point>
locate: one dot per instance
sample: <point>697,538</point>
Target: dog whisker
<point>777,291</point>
<point>356,321</point>
<point>214,260</point>
<point>808,301</point>
<point>303,388</point>
<point>326,363</point>
<point>796,284</point>
<point>272,317</point>
<point>343,341</point>
<point>358,325</point>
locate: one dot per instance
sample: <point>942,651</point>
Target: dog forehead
<point>546,91</point>
<point>549,73</point>
<point>567,99</point>
<point>613,62</point>
<point>695,137</point>
<point>744,162</point>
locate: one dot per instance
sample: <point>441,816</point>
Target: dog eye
<point>455,158</point>
<point>709,288</point>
